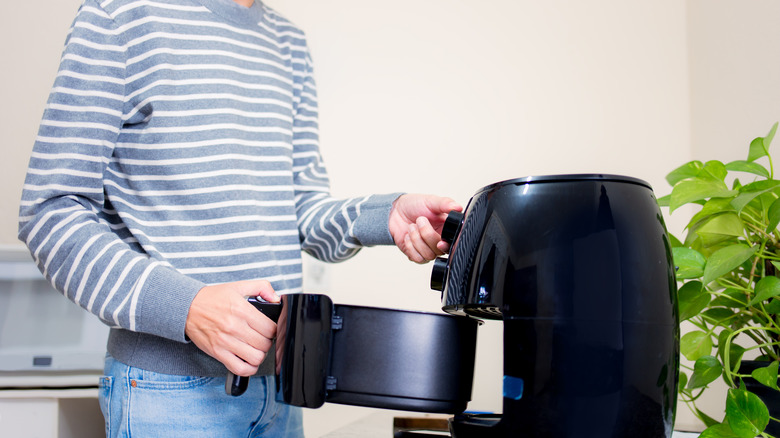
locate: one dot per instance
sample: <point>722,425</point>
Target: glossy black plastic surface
<point>452,226</point>
<point>303,340</point>
<point>367,356</point>
<point>404,360</point>
<point>579,268</point>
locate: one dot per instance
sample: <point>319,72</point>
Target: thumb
<point>258,288</point>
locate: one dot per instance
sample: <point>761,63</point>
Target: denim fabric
<point>139,403</point>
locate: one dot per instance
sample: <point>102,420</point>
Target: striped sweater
<point>179,148</point>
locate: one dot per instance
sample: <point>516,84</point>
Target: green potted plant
<point>729,290</point>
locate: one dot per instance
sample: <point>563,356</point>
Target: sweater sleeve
<point>62,216</point>
<point>330,229</point>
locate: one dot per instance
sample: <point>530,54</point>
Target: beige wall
<point>31,38</point>
<point>734,57</point>
<point>448,96</point>
<point>734,61</point>
<point>438,96</point>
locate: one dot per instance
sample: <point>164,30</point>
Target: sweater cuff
<point>372,225</point>
<point>165,303</point>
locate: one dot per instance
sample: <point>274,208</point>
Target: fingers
<point>422,242</point>
<point>257,288</point>
<point>446,205</point>
<point>224,325</point>
<point>258,329</point>
<point>250,339</point>
<point>241,351</point>
<point>429,204</point>
<point>257,321</point>
<point>416,222</point>
<point>241,359</point>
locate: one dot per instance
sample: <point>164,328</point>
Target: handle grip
<point>236,385</point>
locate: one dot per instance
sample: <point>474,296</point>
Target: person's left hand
<point>416,222</point>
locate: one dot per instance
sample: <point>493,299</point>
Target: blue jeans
<point>139,403</point>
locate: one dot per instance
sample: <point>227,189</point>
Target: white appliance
<point>45,339</point>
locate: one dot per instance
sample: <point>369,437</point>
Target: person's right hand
<point>223,324</point>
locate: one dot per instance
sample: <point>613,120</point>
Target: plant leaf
<point>714,170</point>
<point>759,147</point>
<point>692,299</point>
<point>770,136</point>
<point>774,216</point>
<point>689,262</point>
<point>773,306</point>
<point>746,413</point>
<point>696,344</point>
<point>718,315</point>
<point>766,288</point>
<point>697,189</point>
<point>752,191</point>
<point>719,228</point>
<point>687,170</point>
<point>709,421</point>
<point>711,208</point>
<point>767,375</point>
<point>748,167</point>
<point>725,260</point>
<point>719,430</point>
<point>705,371</point>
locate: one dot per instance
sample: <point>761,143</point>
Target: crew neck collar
<point>234,12</point>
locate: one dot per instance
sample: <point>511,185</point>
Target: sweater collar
<point>234,12</point>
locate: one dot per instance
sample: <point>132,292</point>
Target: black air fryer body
<point>579,269</point>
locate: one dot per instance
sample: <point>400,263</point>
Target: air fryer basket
<point>367,356</point>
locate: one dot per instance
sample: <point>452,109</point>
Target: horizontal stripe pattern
<point>179,147</point>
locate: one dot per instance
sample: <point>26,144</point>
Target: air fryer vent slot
<point>492,312</point>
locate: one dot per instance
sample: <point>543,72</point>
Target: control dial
<point>449,233</point>
<point>439,274</point>
<point>451,226</point>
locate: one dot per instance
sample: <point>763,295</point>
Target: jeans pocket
<point>167,382</point>
<point>163,405</point>
<point>104,399</point>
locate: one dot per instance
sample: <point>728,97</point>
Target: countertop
<point>381,425</point>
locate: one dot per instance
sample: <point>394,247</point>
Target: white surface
<point>379,423</point>
<point>59,394</point>
<point>40,330</point>
<point>50,414</point>
<point>376,425</point>
<point>49,380</point>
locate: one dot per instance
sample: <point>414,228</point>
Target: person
<point>176,172</point>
